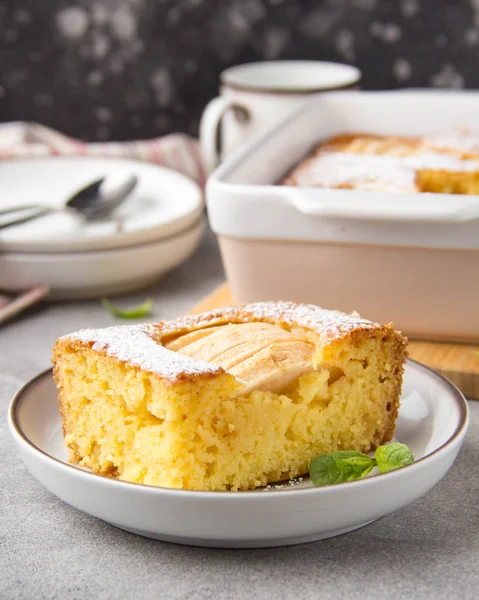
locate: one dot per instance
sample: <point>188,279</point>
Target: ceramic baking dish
<point>408,258</point>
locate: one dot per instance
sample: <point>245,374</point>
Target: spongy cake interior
<point>206,434</point>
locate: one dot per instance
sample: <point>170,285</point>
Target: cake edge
<point>141,346</point>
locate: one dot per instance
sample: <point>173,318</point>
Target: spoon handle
<point>14,209</point>
<point>23,214</point>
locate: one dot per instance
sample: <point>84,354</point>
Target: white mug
<point>253,96</point>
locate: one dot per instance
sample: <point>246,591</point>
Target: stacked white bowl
<point>157,227</point>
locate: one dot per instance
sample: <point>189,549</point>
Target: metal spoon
<point>97,199</point>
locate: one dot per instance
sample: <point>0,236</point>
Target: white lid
<point>290,76</point>
<point>163,203</point>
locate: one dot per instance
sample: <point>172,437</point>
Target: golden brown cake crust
<point>326,325</point>
<point>390,163</point>
<point>141,346</point>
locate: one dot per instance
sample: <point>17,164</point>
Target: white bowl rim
<point>455,437</point>
<point>198,224</point>
<point>160,168</point>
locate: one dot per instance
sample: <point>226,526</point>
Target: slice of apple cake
<point>227,400</point>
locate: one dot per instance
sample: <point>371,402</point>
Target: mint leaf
<point>134,312</point>
<point>337,467</point>
<point>348,465</point>
<point>362,465</point>
<point>393,456</point>
<point>324,470</point>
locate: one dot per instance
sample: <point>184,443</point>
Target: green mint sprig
<point>349,465</point>
<point>134,312</point>
<point>393,456</point>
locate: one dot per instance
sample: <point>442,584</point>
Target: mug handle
<point>209,128</point>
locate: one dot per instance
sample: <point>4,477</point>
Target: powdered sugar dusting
<point>369,171</point>
<point>291,483</point>
<point>462,142</point>
<point>140,345</point>
<point>327,324</point>
<point>136,345</point>
<point>336,169</point>
<point>437,161</point>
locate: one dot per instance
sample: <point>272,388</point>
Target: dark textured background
<point>117,69</point>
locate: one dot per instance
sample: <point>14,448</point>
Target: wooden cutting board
<point>458,362</point>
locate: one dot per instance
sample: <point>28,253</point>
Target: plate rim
<point>20,437</point>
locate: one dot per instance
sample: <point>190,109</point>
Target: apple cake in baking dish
<point>447,164</point>
<point>227,400</point>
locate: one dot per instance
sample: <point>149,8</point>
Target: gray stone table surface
<point>429,549</point>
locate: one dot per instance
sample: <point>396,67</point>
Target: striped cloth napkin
<point>29,140</point>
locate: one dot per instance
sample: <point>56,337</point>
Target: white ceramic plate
<point>433,421</point>
<point>162,204</point>
<point>73,275</point>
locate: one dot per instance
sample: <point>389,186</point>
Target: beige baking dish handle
<point>210,125</point>
<point>383,210</point>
